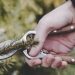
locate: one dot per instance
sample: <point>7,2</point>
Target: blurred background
<point>17,17</point>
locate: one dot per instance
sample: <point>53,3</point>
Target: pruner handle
<point>41,55</point>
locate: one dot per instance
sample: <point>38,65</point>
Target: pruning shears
<point>13,46</point>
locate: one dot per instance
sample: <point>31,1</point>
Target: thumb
<point>40,37</point>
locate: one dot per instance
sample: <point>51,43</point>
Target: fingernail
<point>64,64</point>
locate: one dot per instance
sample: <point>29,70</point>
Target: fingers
<point>33,62</point>
<point>53,62</point>
<point>64,64</point>
<point>56,63</point>
<point>48,61</point>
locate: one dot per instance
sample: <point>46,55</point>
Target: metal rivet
<point>72,27</point>
<point>55,31</point>
<point>73,60</point>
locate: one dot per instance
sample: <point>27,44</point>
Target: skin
<point>59,44</point>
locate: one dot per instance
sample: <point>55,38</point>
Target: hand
<point>59,43</point>
<point>57,48</point>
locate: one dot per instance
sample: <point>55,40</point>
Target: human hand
<point>59,43</point>
<point>57,49</point>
